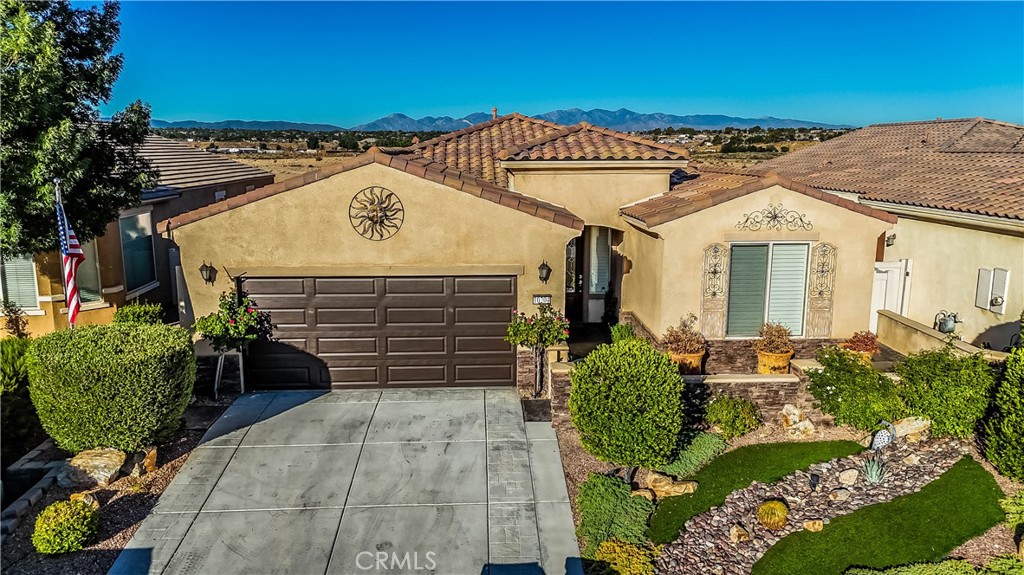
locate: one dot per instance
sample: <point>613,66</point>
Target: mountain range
<point>621,119</point>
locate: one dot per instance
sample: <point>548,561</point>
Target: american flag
<point>71,256</point>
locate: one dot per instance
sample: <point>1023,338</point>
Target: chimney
<point>494,113</point>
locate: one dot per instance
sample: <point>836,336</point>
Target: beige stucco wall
<point>946,259</point>
<point>683,241</point>
<point>642,284</point>
<point>593,195</point>
<point>444,229</point>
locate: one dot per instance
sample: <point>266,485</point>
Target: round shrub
<point>734,416</point>
<point>853,392</point>
<point>619,558</point>
<point>1005,430</point>
<point>625,400</point>
<point>65,527</point>
<point>120,385</point>
<point>950,390</point>
<point>136,312</point>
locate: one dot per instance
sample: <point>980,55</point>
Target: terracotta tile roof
<point>410,163</point>
<point>968,165</point>
<point>587,142</point>
<point>183,167</point>
<point>710,187</point>
<point>480,149</point>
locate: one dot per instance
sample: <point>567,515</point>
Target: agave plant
<point>874,470</point>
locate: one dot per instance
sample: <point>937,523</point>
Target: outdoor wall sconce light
<point>946,322</point>
<point>890,240</point>
<point>208,272</point>
<point>544,272</point>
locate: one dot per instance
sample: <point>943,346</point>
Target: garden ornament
<point>883,437</point>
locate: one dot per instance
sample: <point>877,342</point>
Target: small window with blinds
<point>600,260</point>
<point>767,283</point>
<point>18,282</point>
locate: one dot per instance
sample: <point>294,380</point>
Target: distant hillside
<point>622,119</point>
<point>247,125</point>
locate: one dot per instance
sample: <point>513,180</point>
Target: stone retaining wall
<point>709,543</point>
<point>770,394</point>
<point>737,355</point>
<point>526,369</point>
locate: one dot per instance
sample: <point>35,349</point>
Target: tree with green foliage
<point>1004,431</point>
<point>57,69</point>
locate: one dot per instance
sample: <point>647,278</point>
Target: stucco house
<point>958,248</point>
<point>131,260</point>
<point>403,266</point>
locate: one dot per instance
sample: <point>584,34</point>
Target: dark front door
<point>384,331</point>
<point>574,280</point>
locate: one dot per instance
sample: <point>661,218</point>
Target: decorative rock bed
<point>707,546</point>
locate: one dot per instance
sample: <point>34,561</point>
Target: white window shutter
<point>984,293</point>
<point>18,281</point>
<point>1000,286</point>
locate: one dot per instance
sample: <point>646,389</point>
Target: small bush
<point>1014,508</point>
<point>773,514</point>
<point>65,527</point>
<point>950,390</point>
<point>622,331</point>
<point>703,449</point>
<point>625,558</point>
<point>120,385</point>
<point>998,566</point>
<point>236,323</point>
<point>734,416</point>
<point>626,402</point>
<point>608,511</point>
<point>20,430</point>
<point>13,368</point>
<point>685,338</point>
<point>137,312</point>
<point>864,342</point>
<point>1004,431</point>
<point>773,338</point>
<point>852,392</point>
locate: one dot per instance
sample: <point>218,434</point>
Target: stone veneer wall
<point>639,329</point>
<point>769,395</point>
<point>525,370</point>
<point>737,355</point>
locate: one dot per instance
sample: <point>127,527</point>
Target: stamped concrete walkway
<point>354,482</point>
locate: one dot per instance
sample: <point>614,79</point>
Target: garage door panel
<point>375,332</point>
<point>347,347</point>
<point>341,317</point>
<point>435,345</point>
<point>326,286</point>
<point>486,285</point>
<point>414,286</point>
<point>415,316</point>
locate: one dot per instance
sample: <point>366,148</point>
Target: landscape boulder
<point>839,494</point>
<point>141,462</point>
<point>911,426</point>
<point>664,486</point>
<point>86,498</point>
<point>91,468</point>
<point>848,476</point>
<point>737,534</point>
<point>814,525</point>
<point>645,493</point>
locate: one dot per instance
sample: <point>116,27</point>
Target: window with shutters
<point>600,260</point>
<point>18,282</point>
<point>137,251</point>
<point>767,283</point>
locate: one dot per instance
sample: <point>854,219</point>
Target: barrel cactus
<point>773,514</point>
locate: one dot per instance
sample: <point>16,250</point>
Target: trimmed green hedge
<point>951,390</point>
<point>121,385</point>
<point>135,312</point>
<point>998,566</point>
<point>1004,431</point>
<point>20,430</point>
<point>853,392</point>
<point>626,402</point>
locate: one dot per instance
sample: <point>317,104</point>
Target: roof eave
<point>673,164</point>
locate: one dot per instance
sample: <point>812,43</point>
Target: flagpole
<point>63,280</point>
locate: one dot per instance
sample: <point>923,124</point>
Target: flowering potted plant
<point>538,332</point>
<point>237,323</point>
<point>685,345</point>
<point>774,348</point>
<point>864,344</point>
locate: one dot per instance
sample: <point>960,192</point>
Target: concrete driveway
<point>354,482</point>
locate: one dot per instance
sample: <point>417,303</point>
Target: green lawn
<point>737,469</point>
<point>920,527</point>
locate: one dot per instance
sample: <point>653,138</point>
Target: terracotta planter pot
<point>689,363</point>
<point>773,362</point>
<point>865,356</point>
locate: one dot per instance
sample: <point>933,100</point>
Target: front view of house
<point>402,267</point>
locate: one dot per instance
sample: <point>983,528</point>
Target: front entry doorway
<point>593,276</point>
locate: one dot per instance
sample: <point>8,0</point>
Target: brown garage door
<point>385,331</point>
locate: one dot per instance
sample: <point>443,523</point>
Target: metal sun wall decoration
<point>774,217</point>
<point>376,213</point>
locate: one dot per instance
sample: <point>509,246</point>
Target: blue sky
<point>349,63</point>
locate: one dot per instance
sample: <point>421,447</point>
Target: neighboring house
<point>131,260</point>
<point>403,266</point>
<point>958,189</point>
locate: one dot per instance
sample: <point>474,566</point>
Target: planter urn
<point>864,356</point>
<point>773,363</point>
<point>689,363</point>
